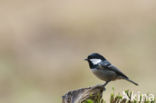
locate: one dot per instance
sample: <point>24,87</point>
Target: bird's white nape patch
<point>95,61</point>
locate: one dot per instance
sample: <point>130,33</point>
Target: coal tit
<point>104,70</point>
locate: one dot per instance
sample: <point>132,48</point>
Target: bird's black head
<point>95,56</point>
<point>93,59</point>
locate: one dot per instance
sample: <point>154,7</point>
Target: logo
<point>138,96</point>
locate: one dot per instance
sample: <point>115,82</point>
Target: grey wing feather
<point>109,66</point>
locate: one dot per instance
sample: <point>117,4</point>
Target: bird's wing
<point>109,66</point>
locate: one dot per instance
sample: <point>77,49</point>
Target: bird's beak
<point>86,59</point>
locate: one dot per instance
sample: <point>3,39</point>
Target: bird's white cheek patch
<point>95,61</point>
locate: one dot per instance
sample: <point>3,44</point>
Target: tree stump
<point>81,95</point>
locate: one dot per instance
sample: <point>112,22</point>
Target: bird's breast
<point>104,74</point>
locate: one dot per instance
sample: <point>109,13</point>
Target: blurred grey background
<point>43,44</point>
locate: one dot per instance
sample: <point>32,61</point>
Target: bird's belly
<point>105,75</point>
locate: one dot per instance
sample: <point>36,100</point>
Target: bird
<point>104,70</point>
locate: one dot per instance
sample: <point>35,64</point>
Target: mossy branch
<point>84,95</point>
<point>94,95</point>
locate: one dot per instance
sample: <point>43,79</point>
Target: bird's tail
<point>132,81</point>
